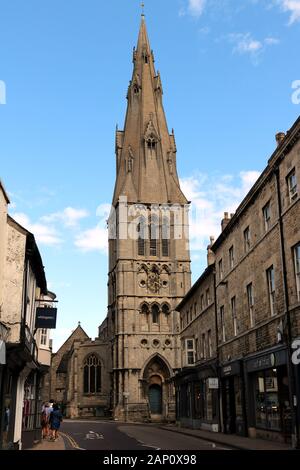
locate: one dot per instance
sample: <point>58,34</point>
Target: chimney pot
<point>280,136</point>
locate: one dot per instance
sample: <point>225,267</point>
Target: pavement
<point>230,440</point>
<point>46,444</point>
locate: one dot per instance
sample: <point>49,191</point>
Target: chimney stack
<point>210,253</point>
<point>280,136</point>
<point>225,221</point>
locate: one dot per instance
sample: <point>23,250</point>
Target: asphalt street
<point>107,435</point>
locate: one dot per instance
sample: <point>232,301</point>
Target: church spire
<point>145,151</point>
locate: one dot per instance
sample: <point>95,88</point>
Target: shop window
<point>272,399</point>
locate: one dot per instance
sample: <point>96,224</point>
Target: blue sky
<point>227,68</point>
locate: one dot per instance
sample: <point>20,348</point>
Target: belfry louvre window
<point>92,374</point>
<point>151,143</point>
<point>154,235</point>
<point>165,243</point>
<point>155,314</point>
<point>141,236</point>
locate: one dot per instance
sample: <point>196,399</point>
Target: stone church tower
<point>149,260</point>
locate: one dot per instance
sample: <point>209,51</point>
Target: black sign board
<point>46,318</point>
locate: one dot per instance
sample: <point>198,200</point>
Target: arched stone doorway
<point>157,387</point>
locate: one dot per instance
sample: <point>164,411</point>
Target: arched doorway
<point>155,399</point>
<point>157,388</point>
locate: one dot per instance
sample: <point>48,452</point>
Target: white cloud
<point>70,217</point>
<point>272,41</point>
<point>44,234</point>
<point>292,7</point>
<point>244,43</point>
<point>211,196</point>
<point>196,7</point>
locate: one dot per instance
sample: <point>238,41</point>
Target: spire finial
<point>143,8</point>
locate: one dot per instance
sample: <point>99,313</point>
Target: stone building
<point>257,296</point>
<point>22,364</point>
<point>79,376</point>
<point>149,260</point>
<point>138,348</point>
<point>196,382</point>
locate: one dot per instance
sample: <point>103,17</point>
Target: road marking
<point>91,435</point>
<point>71,441</point>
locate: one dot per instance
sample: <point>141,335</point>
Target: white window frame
<point>297,268</point>
<point>233,313</point>
<point>250,299</point>
<point>271,288</point>
<point>267,216</point>
<point>207,294</point>
<point>231,257</point>
<point>189,350</point>
<point>203,348</point>
<point>221,272</point>
<point>247,239</point>
<point>44,337</point>
<point>292,185</point>
<point>209,343</point>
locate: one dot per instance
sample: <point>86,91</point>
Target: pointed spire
<point>146,152</point>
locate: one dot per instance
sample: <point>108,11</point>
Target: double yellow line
<point>71,441</point>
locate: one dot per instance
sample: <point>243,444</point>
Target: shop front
<point>270,413</point>
<point>233,398</point>
<point>198,398</point>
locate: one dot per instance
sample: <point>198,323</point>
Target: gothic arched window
<point>144,308</point>
<point>166,309</point>
<point>155,314</point>
<point>154,235</point>
<point>151,143</point>
<point>141,228</point>
<point>92,374</point>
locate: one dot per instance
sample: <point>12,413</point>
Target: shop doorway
<point>229,409</point>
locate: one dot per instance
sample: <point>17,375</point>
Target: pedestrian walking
<point>55,419</point>
<point>45,420</point>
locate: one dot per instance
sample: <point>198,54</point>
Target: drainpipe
<point>220,420</point>
<point>291,369</point>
